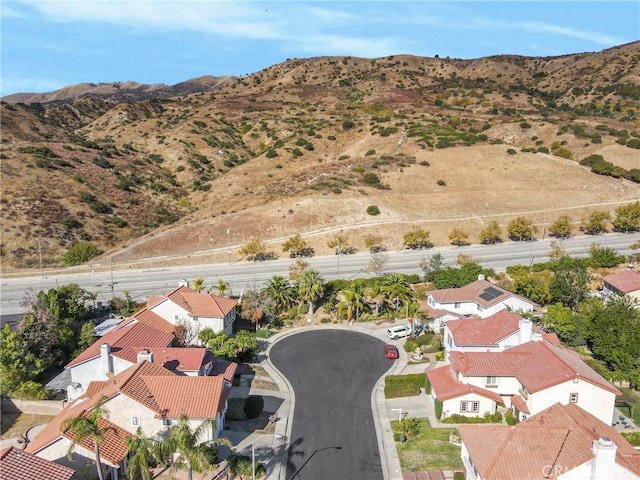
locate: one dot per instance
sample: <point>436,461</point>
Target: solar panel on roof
<point>490,293</point>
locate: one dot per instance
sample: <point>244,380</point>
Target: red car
<point>391,351</point>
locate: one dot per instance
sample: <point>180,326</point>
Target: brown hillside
<point>307,145</point>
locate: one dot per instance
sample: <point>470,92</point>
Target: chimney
<point>603,464</point>
<point>480,276</point>
<point>525,329</point>
<point>183,283</point>
<point>145,355</point>
<point>105,358</point>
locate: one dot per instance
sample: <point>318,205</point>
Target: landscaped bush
<point>632,437</point>
<point>403,385</point>
<point>486,418</point>
<point>510,418</point>
<point>236,409</point>
<point>253,406</point>
<point>242,466</point>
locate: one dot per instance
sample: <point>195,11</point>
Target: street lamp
<point>229,245</point>
<point>253,452</point>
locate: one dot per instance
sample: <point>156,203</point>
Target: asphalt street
<point>332,374</point>
<point>109,279</point>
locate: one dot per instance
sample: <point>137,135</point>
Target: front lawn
<point>430,449</point>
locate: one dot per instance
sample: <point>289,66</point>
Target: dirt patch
<point>17,424</point>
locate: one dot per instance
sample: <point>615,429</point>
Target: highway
<point>142,283</point>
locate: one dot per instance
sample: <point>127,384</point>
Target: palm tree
<point>376,296</point>
<point>281,293</point>
<point>198,284</point>
<point>310,287</point>
<point>352,303</point>
<point>141,451</point>
<point>87,425</point>
<point>223,287</point>
<point>396,289</point>
<point>184,443</point>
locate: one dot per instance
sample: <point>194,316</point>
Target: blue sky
<point>48,44</point>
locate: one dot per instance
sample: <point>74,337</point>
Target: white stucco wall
<point>92,370</point>
<point>598,402</point>
<point>452,406</point>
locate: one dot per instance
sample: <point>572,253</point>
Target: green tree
<point>604,257</point>
<point>185,443</point>
<point>352,303</point>
<point>569,284</point>
<point>198,284</point>
<point>491,233</point>
<point>521,229</point>
<point>223,288</point>
<point>534,286</point>
<point>595,223</point>
<point>80,252</point>
<point>17,363</point>
<point>87,337</point>
<point>562,227</point>
<point>124,307</point>
<point>310,287</point>
<point>256,250</point>
<point>417,238</point>
<point>281,293</point>
<point>397,290</point>
<point>142,454</point>
<point>563,322</point>
<point>88,425</point>
<point>431,266</point>
<point>627,218</point>
<point>458,237</point>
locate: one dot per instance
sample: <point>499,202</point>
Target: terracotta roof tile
<point>180,358</point>
<point>491,330</point>
<point>519,402</point>
<point>537,365</point>
<point>196,397</point>
<point>472,293</point>
<point>154,320</point>
<point>225,368</point>
<point>446,386</point>
<point>201,304</point>
<point>626,281</point>
<point>113,448</point>
<point>17,464</point>
<point>129,334</point>
<point>561,435</point>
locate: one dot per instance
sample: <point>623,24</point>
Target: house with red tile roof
<point>496,333</point>
<point>53,442</point>
<point>147,396</point>
<point>480,299</point>
<point>625,282</point>
<point>16,464</point>
<point>528,378</point>
<point>195,311</point>
<point>561,442</point>
<point>113,353</point>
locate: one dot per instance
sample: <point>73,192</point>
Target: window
<point>576,380</point>
<point>456,305</point>
<point>450,341</point>
<point>195,319</point>
<point>492,381</point>
<point>135,421</point>
<point>469,406</point>
<point>431,301</point>
<point>524,416</point>
<point>573,397</point>
<point>166,422</point>
<point>175,317</point>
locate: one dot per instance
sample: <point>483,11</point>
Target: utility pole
<point>111,268</point>
<point>40,256</point>
<point>229,245</point>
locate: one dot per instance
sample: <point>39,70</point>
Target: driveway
<point>332,374</point>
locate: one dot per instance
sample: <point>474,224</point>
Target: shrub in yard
<point>486,418</point>
<point>373,210</point>
<point>242,466</point>
<point>510,418</point>
<point>403,385</point>
<point>632,437</point>
<point>236,409</point>
<point>253,406</point>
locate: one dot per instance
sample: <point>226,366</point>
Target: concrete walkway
<point>271,448</point>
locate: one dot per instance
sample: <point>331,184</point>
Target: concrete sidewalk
<point>271,448</point>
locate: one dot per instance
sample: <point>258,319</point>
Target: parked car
<point>391,351</point>
<point>398,332</point>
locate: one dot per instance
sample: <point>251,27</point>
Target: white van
<point>399,331</point>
